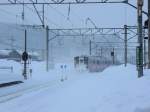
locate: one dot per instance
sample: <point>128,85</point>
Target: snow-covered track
<point>10,83</point>
<point>10,96</point>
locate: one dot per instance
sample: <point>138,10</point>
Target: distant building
<point>16,55</point>
<point>4,54</point>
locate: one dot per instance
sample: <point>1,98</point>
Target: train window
<point>81,60</point>
<point>98,62</point>
<point>93,61</point>
<point>85,60</point>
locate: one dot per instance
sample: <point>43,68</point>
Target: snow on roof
<point>4,52</point>
<point>33,53</point>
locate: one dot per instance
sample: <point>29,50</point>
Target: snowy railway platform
<point>9,76</point>
<point>10,79</point>
<point>116,89</point>
<point>36,82</point>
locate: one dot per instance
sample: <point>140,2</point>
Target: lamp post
<point>140,39</point>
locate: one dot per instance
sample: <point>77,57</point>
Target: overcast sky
<point>103,15</point>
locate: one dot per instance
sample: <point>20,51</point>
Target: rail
<point>7,68</point>
<point>11,96</point>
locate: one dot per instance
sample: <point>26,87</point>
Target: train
<point>93,63</point>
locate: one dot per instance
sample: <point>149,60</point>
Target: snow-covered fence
<point>7,68</point>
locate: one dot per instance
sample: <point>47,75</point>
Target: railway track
<point>13,95</point>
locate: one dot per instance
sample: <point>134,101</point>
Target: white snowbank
<point>8,75</point>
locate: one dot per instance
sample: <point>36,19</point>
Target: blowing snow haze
<point>79,56</point>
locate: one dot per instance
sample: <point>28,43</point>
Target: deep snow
<point>116,89</point>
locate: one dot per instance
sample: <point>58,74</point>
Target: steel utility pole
<point>113,56</point>
<point>125,45</point>
<point>43,16</point>
<point>25,57</point>
<point>144,48</point>
<point>140,39</point>
<point>47,48</point>
<point>25,62</point>
<point>90,49</point>
<point>148,34</point>
<point>12,42</point>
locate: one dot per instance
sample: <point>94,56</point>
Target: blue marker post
<point>63,72</point>
<point>62,79</point>
<point>65,67</point>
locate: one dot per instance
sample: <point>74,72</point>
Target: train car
<point>81,63</point>
<point>98,63</point>
<point>93,63</point>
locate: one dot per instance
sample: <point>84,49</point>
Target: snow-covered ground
<point>116,89</point>
<point>8,75</point>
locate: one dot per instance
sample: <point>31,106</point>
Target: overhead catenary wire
<point>60,13</point>
<point>68,12</point>
<point>64,16</point>
<point>47,19</point>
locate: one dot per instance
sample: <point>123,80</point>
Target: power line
<point>48,20</point>
<point>65,2</point>
<point>60,13</point>
<point>72,11</point>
